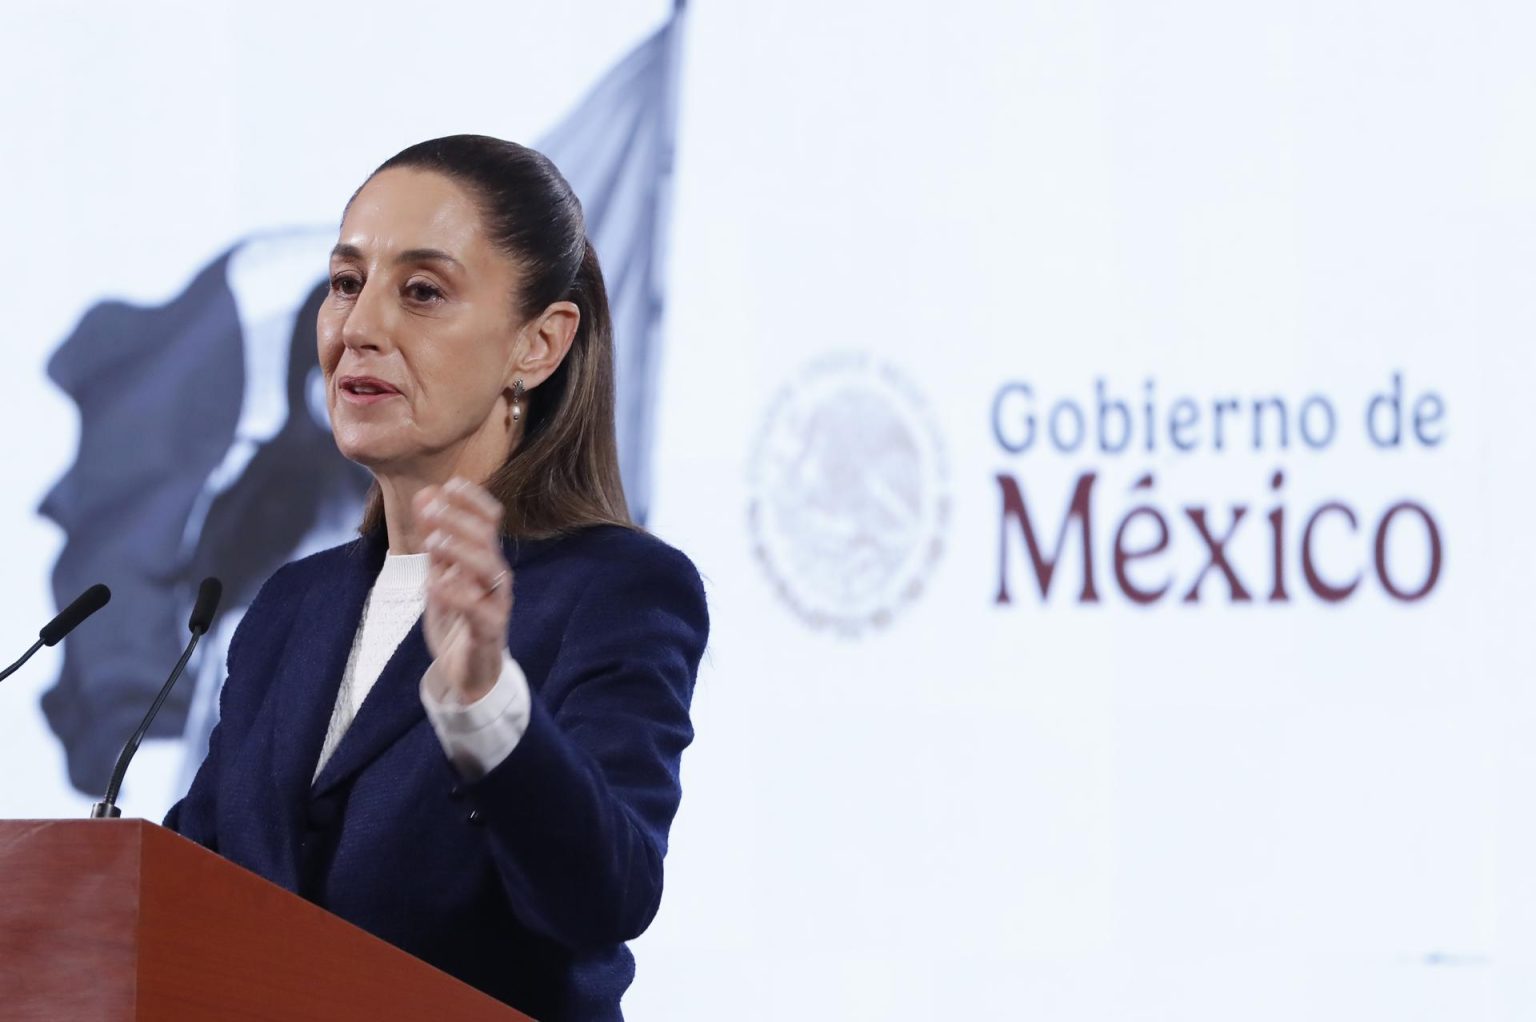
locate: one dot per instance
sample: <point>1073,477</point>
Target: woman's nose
<point>367,324</point>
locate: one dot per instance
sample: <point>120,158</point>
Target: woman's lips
<point>365,390</point>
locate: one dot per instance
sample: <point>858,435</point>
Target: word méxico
<point>1144,534</point>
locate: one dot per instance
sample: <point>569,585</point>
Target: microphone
<point>86,604</point>
<point>202,616</point>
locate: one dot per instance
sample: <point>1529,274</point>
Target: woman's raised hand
<point>469,588</point>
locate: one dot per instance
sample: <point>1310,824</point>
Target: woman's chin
<point>371,452</point>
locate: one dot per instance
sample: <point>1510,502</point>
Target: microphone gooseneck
<point>84,605</point>
<point>203,609</point>
<point>21,660</point>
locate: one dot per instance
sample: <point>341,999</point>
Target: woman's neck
<point>475,458</point>
<point>399,494</point>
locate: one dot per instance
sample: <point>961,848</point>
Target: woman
<point>490,790</point>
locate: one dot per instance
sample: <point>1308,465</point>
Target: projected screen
<point>1103,432</point>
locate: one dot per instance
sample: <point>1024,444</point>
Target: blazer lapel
<point>312,665</point>
<point>391,708</point>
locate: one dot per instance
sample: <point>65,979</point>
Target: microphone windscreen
<point>206,606</point>
<point>86,604</point>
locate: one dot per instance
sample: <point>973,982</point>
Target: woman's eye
<point>345,286</point>
<point>422,292</point>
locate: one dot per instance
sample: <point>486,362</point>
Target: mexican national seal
<point>848,494</point>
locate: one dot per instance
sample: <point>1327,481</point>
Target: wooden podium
<point>121,919</point>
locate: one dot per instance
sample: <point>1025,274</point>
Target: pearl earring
<point>517,394</point>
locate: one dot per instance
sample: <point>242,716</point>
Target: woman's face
<point>418,338</point>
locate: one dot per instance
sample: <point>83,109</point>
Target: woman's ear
<point>549,339</point>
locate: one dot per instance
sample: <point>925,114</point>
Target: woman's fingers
<point>463,524</point>
<point>485,615</point>
<point>477,561</point>
<point>477,497</point>
<point>468,575</point>
<point>471,500</point>
<point>461,586</point>
<point>452,528</point>
<point>464,499</point>
<point>467,505</point>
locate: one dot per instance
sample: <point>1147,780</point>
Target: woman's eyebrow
<point>410,255</point>
<point>426,255</point>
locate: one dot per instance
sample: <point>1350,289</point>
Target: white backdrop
<point>907,799</point>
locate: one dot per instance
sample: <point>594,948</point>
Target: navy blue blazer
<point>526,882</point>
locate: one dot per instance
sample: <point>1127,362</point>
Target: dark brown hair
<point>564,473</point>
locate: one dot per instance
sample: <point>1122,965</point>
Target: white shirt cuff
<point>477,737</point>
